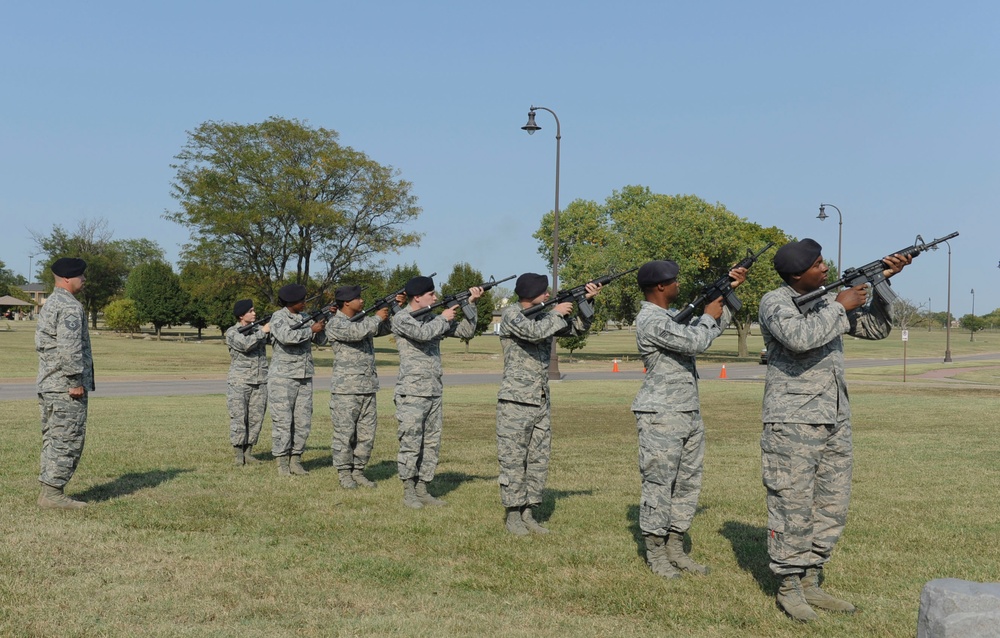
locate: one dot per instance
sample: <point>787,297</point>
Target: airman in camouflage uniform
<point>806,449</point>
<point>65,376</point>
<point>246,383</point>
<point>354,385</point>
<point>668,415</point>
<point>524,427</point>
<point>289,380</point>
<point>419,386</point>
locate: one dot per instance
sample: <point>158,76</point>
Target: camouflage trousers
<point>524,446</point>
<point>807,473</point>
<point>671,460</point>
<point>64,428</point>
<point>291,402</point>
<point>420,421</point>
<point>247,403</point>
<point>355,418</point>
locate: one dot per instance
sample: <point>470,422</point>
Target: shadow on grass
<point>750,548</point>
<point>128,484</point>
<point>549,497</point>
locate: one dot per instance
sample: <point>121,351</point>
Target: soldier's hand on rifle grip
<point>382,313</point>
<point>449,313</point>
<point>896,263</point>
<point>851,298</point>
<point>714,308</point>
<point>475,293</point>
<point>266,327</point>
<point>592,289</point>
<point>318,326</point>
<point>564,308</point>
<point>738,276</point>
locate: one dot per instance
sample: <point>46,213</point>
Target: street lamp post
<point>947,314</point>
<point>840,231</point>
<point>972,325</point>
<point>531,127</point>
<point>31,261</point>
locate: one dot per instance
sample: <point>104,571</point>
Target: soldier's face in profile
<point>814,276</point>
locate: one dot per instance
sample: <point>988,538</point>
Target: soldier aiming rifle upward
<point>577,295</point>
<point>461,299</point>
<point>390,301</point>
<point>722,287</point>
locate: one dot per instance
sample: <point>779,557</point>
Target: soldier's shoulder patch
<point>518,318</point>
<point>72,322</point>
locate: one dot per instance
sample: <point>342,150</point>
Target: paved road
<point>174,387</point>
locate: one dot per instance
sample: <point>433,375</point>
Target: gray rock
<point>953,608</point>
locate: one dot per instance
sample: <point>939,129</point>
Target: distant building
<point>37,294</point>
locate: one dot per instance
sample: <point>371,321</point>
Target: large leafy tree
<point>283,202</point>
<point>157,293</point>
<point>10,283</point>
<point>108,260</point>
<point>635,225</point>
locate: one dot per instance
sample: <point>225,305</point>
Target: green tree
<point>212,291</point>
<point>635,225</point>
<point>573,343</point>
<point>108,261</point>
<point>157,293</point>
<point>121,315</point>
<point>10,283</point>
<point>287,203</point>
<point>464,276</point>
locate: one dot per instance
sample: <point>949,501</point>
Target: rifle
<point>871,273</point>
<point>247,329</point>
<point>460,299</point>
<point>722,288</point>
<point>317,315</point>
<point>578,294</point>
<point>388,300</point>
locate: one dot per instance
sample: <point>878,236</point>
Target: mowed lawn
<point>178,542</point>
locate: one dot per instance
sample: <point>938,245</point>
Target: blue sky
<point>886,109</point>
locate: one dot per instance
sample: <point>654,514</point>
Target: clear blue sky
<point>889,110</point>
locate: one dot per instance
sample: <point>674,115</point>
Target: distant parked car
<point>763,356</point>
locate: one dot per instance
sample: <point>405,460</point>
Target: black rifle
<point>387,301</point>
<point>722,288</point>
<point>460,299</point>
<point>578,294</point>
<point>321,314</point>
<point>247,329</point>
<point>871,273</point>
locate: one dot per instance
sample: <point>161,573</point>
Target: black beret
<point>291,293</point>
<point>242,307</point>
<point>419,286</point>
<point>796,257</point>
<point>68,267</point>
<point>347,293</point>
<point>530,285</point>
<point>656,272</point>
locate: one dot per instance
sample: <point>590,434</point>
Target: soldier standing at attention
<point>668,415</point>
<point>354,384</point>
<point>419,386</point>
<point>65,376</point>
<point>246,393</point>
<point>289,381</point>
<point>524,427</point>
<point>806,450</point>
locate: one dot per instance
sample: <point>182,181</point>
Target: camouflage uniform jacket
<point>62,341</point>
<point>668,351</point>
<point>419,343</point>
<point>354,353</point>
<point>805,355</point>
<point>527,348</point>
<point>247,356</point>
<point>292,349</point>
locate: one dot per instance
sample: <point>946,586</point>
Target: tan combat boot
<point>54,498</point>
<point>816,597</point>
<point>295,465</point>
<point>410,494</point>
<point>248,456</point>
<point>283,466</point>
<point>680,560</point>
<point>529,521</point>
<point>358,474</point>
<point>346,480</point>
<point>792,601</point>
<point>656,557</point>
<point>426,498</point>
<point>240,458</point>
<point>514,524</point>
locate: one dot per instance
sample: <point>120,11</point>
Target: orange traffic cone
<point>614,368</point>
<point>722,375</point>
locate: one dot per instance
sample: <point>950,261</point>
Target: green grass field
<point>178,542</point>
